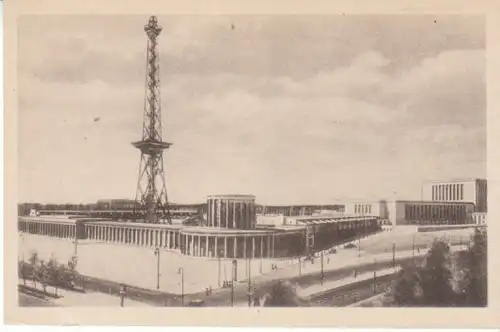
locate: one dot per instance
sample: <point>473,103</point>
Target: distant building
<point>270,220</point>
<point>462,190</point>
<point>115,204</point>
<point>479,218</point>
<point>367,208</point>
<point>400,212</point>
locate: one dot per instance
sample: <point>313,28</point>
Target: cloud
<point>274,108</point>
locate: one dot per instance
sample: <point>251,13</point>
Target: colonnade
<point>233,212</point>
<point>228,246</point>
<point>61,230</point>
<point>166,238</point>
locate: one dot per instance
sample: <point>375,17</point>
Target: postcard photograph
<point>252,161</point>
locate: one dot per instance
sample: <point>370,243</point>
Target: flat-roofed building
<point>376,208</point>
<point>429,213</point>
<point>459,190</point>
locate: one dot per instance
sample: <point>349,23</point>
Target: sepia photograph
<point>251,161</point>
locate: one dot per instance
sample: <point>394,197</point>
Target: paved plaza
<point>138,265</point>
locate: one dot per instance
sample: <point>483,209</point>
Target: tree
<point>22,271</point>
<point>72,272</point>
<point>43,275</point>
<point>436,277</point>
<point>53,274</point>
<point>476,288</point>
<point>282,294</point>
<point>34,262</point>
<point>405,290</point>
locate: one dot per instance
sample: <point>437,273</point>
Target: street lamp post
<point>413,248</point>
<point>181,272</point>
<point>219,252</point>
<point>394,254</point>
<point>300,267</point>
<point>233,277</point>
<point>123,291</point>
<point>322,273</point>
<point>157,254</point>
<point>359,245</point>
<point>22,247</point>
<point>76,245</point>
<point>260,268</point>
<point>249,282</point>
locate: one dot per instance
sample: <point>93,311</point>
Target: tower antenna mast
<point>151,199</point>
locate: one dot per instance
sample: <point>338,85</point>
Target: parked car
<point>196,303</point>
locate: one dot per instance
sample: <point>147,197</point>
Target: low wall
<point>435,228</point>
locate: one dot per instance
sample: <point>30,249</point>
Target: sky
<point>291,109</point>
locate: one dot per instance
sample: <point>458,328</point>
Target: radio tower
<point>151,198</point>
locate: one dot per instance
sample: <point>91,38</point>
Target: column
<point>253,246</point>
<point>226,202</point>
<point>235,247</point>
<point>235,206</point>
<point>216,252</point>
<point>245,246</point>
<point>261,246</point>
<point>167,240</point>
<point>199,246</point>
<point>268,253</point>
<point>225,246</point>
<point>272,246</point>
<point>219,212</point>
<point>206,246</point>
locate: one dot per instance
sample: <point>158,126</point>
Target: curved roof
<point>232,196</point>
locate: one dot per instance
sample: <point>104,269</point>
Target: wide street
<point>120,264</point>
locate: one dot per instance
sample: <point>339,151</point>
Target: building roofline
<point>453,180</point>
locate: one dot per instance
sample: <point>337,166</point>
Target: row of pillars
<point>49,229</point>
<point>250,246</point>
<point>131,235</point>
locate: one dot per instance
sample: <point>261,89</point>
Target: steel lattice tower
<point>151,198</point>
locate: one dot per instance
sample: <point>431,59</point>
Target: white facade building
<point>462,190</point>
